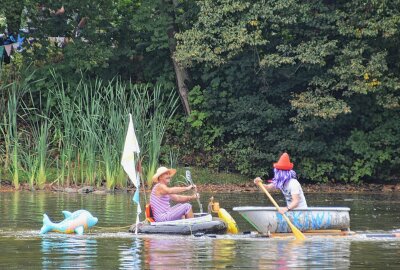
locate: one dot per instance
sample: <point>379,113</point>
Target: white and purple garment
<point>162,210</point>
<point>286,181</point>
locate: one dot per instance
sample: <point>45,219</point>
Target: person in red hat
<point>285,179</point>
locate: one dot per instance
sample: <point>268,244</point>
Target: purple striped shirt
<point>162,210</point>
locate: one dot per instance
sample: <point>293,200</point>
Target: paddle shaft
<point>189,178</point>
<point>198,200</point>
<point>297,233</point>
<point>273,201</point>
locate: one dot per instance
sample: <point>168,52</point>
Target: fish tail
<point>47,225</point>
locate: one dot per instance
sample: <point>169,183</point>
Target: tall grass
<point>83,132</point>
<point>42,150</point>
<point>163,110</point>
<point>30,166</point>
<point>65,112</point>
<point>10,133</point>
<point>114,127</point>
<point>11,97</point>
<point>37,125</point>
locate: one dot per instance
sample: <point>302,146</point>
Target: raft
<point>269,220</point>
<point>203,223</point>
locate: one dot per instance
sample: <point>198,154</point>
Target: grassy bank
<point>217,182</point>
<point>200,176</point>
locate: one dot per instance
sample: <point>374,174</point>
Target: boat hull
<point>203,224</point>
<point>268,220</point>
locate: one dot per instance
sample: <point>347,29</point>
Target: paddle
<point>297,233</point>
<point>189,179</point>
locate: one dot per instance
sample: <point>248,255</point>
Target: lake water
<point>110,246</point>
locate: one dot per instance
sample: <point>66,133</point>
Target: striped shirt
<point>162,210</point>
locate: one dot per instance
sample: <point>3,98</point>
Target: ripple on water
<point>110,246</point>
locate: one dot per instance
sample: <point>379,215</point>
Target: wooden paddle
<point>297,233</point>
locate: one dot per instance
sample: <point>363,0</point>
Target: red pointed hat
<point>284,163</point>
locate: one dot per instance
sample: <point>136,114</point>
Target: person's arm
<point>268,187</point>
<point>294,203</point>
<point>183,198</point>
<point>295,191</point>
<point>164,190</point>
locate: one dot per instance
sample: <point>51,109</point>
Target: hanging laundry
<point>8,49</point>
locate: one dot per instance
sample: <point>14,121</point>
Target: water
<point>110,246</point>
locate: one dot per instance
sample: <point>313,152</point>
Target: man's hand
<point>257,180</point>
<point>190,187</point>
<point>283,210</point>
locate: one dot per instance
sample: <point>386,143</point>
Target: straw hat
<point>161,171</point>
<point>284,163</point>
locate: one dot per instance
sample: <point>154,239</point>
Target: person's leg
<point>179,211</point>
<point>189,214</point>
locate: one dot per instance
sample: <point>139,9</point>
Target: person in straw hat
<point>285,179</point>
<point>161,195</point>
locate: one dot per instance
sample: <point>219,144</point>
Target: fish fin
<point>47,225</point>
<point>67,214</point>
<point>79,230</point>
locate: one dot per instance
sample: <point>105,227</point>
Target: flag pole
<point>131,147</point>
<point>139,172</point>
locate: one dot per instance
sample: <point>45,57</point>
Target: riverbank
<point>235,188</point>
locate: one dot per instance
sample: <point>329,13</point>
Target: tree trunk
<point>182,80</point>
<point>181,74</point>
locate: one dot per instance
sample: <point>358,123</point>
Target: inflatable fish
<point>75,222</point>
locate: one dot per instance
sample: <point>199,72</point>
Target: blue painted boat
<point>268,220</point>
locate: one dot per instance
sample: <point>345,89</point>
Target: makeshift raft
<point>203,223</point>
<point>267,220</point>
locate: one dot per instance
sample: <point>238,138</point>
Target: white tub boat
<point>268,220</point>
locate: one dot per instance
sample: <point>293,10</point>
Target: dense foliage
<point>318,78</point>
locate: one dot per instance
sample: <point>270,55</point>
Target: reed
<point>42,150</point>
<point>37,145</point>
<point>113,131</point>
<point>12,97</point>
<point>10,132</point>
<point>64,117</point>
<point>30,163</point>
<point>84,132</point>
<point>88,129</point>
<point>29,159</point>
<point>164,108</point>
<point>114,127</point>
<point>173,158</point>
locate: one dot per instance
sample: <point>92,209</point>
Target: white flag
<point>128,160</point>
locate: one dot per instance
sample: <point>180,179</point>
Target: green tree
<point>12,11</point>
<point>315,63</point>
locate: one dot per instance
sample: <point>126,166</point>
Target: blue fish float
<point>75,222</point>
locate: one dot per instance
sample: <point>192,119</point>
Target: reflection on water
<point>222,253</point>
<point>130,257</point>
<point>21,247</point>
<point>167,253</point>
<point>306,255</point>
<point>68,252</point>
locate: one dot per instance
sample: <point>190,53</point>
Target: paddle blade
<point>297,233</point>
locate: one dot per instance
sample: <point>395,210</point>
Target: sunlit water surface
<point>110,246</point>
